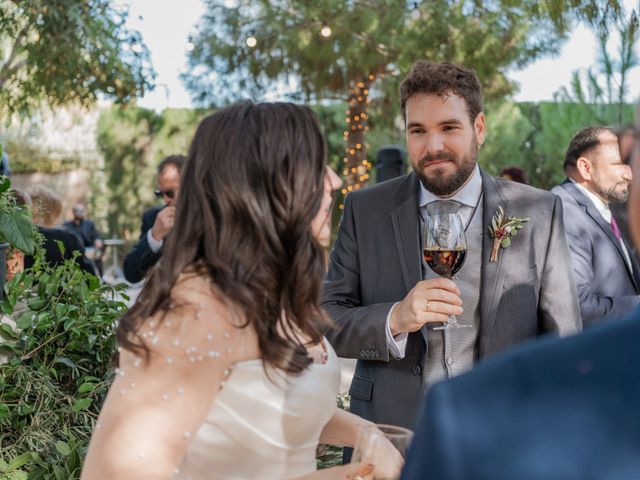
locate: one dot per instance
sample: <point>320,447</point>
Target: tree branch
<point>7,69</point>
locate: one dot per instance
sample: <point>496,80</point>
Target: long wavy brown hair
<point>251,186</point>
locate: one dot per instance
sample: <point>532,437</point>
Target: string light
<point>326,31</point>
<point>356,166</point>
<point>251,41</point>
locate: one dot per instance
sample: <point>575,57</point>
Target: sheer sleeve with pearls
<point>156,405</point>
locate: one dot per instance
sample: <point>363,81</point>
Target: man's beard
<point>443,185</point>
<point>613,195</point>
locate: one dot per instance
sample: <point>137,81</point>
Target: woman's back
<point>205,402</point>
<point>260,427</point>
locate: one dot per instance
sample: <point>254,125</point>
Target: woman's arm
<point>342,429</point>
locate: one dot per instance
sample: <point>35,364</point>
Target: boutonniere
<point>502,228</point>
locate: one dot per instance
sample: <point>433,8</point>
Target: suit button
<point>417,370</point>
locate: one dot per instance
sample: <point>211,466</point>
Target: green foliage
<point>133,141</point>
<point>62,51</point>
<point>15,221</point>
<point>535,136</point>
<point>365,38</point>
<point>28,159</point>
<point>507,132</point>
<point>125,139</point>
<point>58,368</point>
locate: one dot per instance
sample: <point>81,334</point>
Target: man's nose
<point>434,143</point>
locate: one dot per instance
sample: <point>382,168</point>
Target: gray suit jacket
<point>376,260</point>
<point>606,286</point>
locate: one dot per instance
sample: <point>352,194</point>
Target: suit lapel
<point>406,228</point>
<point>490,272</point>
<point>595,215</point>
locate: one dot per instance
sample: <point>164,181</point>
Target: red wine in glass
<point>445,262</point>
<point>444,250</point>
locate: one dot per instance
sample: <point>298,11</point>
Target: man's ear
<point>478,126</point>
<point>584,168</point>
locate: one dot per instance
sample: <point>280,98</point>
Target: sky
<point>165,27</point>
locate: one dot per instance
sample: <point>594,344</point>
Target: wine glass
<point>444,249</point>
<point>384,447</point>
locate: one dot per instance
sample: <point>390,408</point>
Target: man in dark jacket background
<point>157,222</point>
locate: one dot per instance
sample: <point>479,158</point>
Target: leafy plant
<point>15,223</point>
<point>58,368</point>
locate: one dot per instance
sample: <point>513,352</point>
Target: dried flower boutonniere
<point>502,228</point>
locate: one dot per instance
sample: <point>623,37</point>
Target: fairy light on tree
<point>356,165</point>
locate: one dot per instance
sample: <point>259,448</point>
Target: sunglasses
<point>164,193</point>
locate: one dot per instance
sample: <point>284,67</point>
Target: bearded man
<point>606,272</point>
<point>386,301</point>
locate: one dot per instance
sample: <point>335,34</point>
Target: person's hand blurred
<point>163,223</point>
<point>350,471</point>
<point>430,300</point>
<point>383,455</point>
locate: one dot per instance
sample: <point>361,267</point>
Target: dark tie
<point>614,228</point>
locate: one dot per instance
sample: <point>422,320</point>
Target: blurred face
<point>79,212</point>
<point>609,176</point>
<point>321,224</point>
<point>441,141</point>
<point>634,197</point>
<point>169,184</point>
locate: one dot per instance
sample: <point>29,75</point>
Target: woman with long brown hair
<point>223,369</point>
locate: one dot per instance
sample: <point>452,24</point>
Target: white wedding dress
<point>259,428</point>
<point>202,407</point>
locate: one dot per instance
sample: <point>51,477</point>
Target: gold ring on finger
<point>428,306</point>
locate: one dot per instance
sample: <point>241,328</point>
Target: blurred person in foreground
<point>88,234</point>
<point>46,207</point>
<point>555,409</point>
<point>607,275</point>
<point>223,369</point>
<point>157,222</point>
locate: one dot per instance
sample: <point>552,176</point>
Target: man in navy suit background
<point>605,269</point>
<point>555,409</point>
<point>157,222</point>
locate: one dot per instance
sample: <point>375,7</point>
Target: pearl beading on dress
<point>163,337</point>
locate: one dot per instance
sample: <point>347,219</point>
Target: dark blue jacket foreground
<point>549,410</point>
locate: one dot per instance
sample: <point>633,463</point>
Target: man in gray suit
<point>386,301</point>
<point>606,273</point>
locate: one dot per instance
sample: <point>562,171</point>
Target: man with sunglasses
<point>157,222</point>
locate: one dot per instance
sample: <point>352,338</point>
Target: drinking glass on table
<point>384,447</point>
<point>444,249</point>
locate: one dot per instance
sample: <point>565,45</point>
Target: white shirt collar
<point>468,195</point>
<point>602,207</point>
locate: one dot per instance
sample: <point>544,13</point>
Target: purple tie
<point>614,228</point>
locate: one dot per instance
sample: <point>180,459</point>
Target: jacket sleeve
<point>141,258</point>
<point>558,308</point>
<point>360,330</point>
